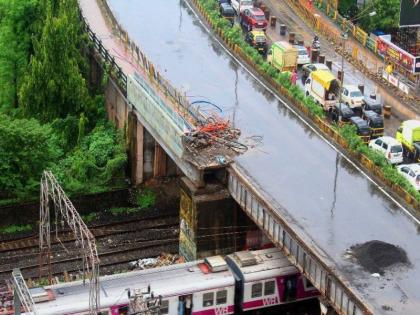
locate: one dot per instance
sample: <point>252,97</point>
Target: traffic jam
<point>343,103</point>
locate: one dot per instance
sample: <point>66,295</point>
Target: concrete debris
<point>377,256</point>
<point>215,132</point>
<point>164,259</point>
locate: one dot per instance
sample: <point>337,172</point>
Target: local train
<point>217,285</point>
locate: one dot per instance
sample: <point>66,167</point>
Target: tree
<point>91,166</point>
<point>386,18</point>
<point>18,21</point>
<point>26,149</point>
<point>55,86</point>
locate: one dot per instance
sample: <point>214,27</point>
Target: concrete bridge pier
<point>209,221</point>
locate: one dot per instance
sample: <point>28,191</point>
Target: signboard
<point>410,13</point>
<point>417,65</point>
<point>188,226</point>
<point>397,55</point>
<point>167,123</point>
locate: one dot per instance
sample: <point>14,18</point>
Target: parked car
<point>346,113</point>
<point>375,123</point>
<point>308,68</point>
<point>303,57</point>
<point>253,18</point>
<point>223,1</point>
<point>412,173</point>
<point>372,104</point>
<point>227,12</point>
<point>241,5</point>
<point>352,96</point>
<point>258,40</point>
<point>362,128</point>
<point>390,147</point>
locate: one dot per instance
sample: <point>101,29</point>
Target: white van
<point>390,147</point>
<point>241,5</point>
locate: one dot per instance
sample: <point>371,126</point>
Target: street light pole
<point>340,98</point>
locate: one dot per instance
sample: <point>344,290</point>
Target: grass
<point>123,210</point>
<point>13,229</point>
<point>146,198</point>
<point>87,218</point>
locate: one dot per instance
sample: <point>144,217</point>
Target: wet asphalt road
<point>326,197</point>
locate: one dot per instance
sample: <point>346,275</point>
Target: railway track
<point>66,235</point>
<point>109,258</point>
<point>118,243</point>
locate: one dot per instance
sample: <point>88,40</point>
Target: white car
<point>241,5</point>
<point>390,147</point>
<point>412,173</point>
<point>303,57</point>
<point>308,68</point>
<point>352,96</point>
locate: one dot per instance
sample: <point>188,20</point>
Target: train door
<point>185,305</point>
<point>290,288</point>
<point>239,295</point>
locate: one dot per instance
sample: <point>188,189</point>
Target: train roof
<point>262,264</point>
<point>166,281</point>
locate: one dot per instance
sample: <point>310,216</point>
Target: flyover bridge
<point>302,191</point>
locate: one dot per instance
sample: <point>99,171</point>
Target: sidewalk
<point>402,110</point>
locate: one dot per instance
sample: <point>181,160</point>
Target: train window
<point>308,285</point>
<point>269,288</point>
<point>103,313</point>
<point>164,307</point>
<point>256,290</point>
<point>221,297</point>
<point>208,299</point>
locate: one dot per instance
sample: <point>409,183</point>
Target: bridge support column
<point>160,160</point>
<point>208,221</point>
<point>135,136</point>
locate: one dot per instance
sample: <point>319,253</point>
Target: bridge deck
<point>327,201</point>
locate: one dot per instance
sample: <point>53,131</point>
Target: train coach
<point>242,281</point>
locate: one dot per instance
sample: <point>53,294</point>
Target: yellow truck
<point>323,87</point>
<point>283,56</point>
<point>409,136</point>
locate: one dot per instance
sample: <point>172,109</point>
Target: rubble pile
<point>164,259</point>
<point>215,132</point>
<point>377,256</point>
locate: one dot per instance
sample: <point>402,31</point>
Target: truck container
<point>282,56</point>
<point>409,136</point>
<point>323,87</point>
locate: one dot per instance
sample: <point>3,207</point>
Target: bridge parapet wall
<point>311,262</point>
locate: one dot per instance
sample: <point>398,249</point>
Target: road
<point>327,198</point>
<point>287,16</point>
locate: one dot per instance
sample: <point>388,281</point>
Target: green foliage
<point>347,8</point>
<point>123,210</point>
<point>18,22</point>
<point>26,149</point>
<point>146,198</point>
<point>92,165</point>
<point>386,18</point>
<point>87,218</point>
<point>43,73</point>
<point>13,229</point>
<point>54,86</point>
